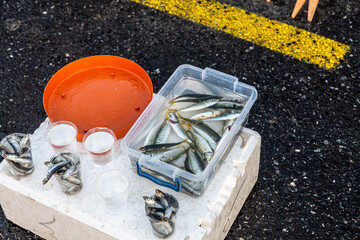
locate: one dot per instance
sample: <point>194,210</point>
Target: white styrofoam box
<point>49,213</point>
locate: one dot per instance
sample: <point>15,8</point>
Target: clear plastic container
<point>185,80</point>
<point>100,143</point>
<point>113,188</point>
<point>62,136</point>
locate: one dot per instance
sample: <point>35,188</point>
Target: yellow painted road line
<point>274,35</point>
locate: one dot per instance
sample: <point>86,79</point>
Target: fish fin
<point>167,115</point>
<point>47,163</point>
<point>172,110</point>
<point>197,121</point>
<point>160,193</point>
<point>178,115</point>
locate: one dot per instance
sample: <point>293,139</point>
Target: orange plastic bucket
<point>98,91</point>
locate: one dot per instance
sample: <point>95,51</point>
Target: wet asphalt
<point>308,117</point>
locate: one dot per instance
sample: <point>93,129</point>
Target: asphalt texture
<point>308,117</point>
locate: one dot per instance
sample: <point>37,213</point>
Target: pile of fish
<point>15,149</point>
<point>161,210</point>
<point>198,140</point>
<point>66,168</point>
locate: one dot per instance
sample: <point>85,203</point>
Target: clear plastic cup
<point>100,143</point>
<point>62,136</point>
<point>15,149</point>
<point>113,187</point>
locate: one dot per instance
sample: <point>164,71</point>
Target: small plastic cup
<point>72,183</point>
<point>113,187</point>
<point>161,226</point>
<point>100,143</point>
<point>62,136</point>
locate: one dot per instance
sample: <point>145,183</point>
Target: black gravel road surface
<point>308,117</point>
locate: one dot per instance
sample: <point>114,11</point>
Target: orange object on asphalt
<point>98,91</point>
<point>312,7</point>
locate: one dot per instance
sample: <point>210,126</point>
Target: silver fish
<point>68,187</point>
<point>227,125</point>
<point>225,116</point>
<point>157,215</point>
<point>184,185</point>
<point>59,158</point>
<point>163,133</point>
<point>207,115</point>
<point>204,129</point>
<point>7,147</point>
<point>180,161</point>
<point>168,212</point>
<point>228,105</point>
<point>151,137</point>
<point>201,105</point>
<point>159,147</point>
<point>195,185</point>
<point>67,173</point>
<point>193,163</point>
<point>73,180</point>
<point>71,157</point>
<point>163,228</point>
<point>207,133</point>
<point>239,99</point>
<point>177,127</point>
<point>162,197</point>
<point>26,154</point>
<point>152,203</point>
<point>171,155</point>
<point>25,140</point>
<point>167,200</point>
<point>193,98</point>
<point>26,162</point>
<point>25,144</point>
<point>190,189</point>
<point>52,169</point>
<point>14,143</point>
<point>19,169</point>
<point>72,189</point>
<point>203,146</point>
<point>15,137</point>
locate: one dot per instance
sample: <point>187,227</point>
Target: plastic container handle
<point>176,187</point>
